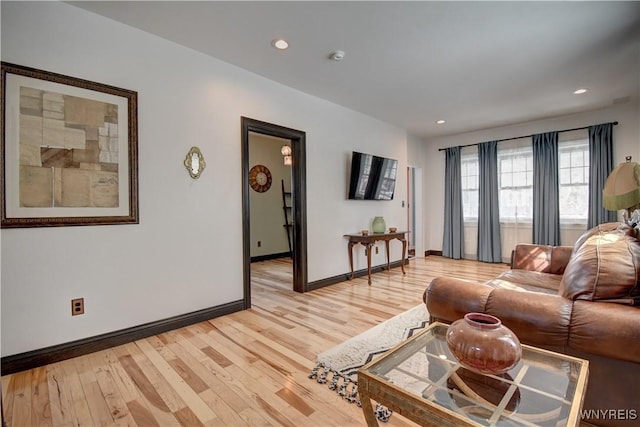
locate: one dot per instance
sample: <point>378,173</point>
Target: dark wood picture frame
<point>108,187</point>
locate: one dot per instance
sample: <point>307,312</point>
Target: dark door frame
<point>299,199</point>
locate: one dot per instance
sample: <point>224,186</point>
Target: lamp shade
<point>622,189</point>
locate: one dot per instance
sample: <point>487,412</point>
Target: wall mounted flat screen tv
<point>372,177</point>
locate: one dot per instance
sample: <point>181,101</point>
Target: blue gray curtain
<point>453,239</point>
<point>489,246</point>
<point>546,205</point>
<point>600,166</point>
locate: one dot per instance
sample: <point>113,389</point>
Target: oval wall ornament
<point>194,162</point>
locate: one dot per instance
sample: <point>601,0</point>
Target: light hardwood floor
<point>246,369</point>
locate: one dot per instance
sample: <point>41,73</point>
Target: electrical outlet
<point>77,306</point>
<point>259,243</point>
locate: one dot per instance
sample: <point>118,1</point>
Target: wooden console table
<point>369,240</point>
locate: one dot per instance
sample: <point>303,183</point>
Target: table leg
<point>369,414</point>
<point>404,254</point>
<point>369,247</point>
<point>351,259</point>
<point>386,244</point>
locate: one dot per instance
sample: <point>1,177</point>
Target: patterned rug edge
<point>339,365</point>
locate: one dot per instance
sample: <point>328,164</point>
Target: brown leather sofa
<point>576,301</point>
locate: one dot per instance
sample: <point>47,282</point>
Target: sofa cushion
<point>524,280</point>
<point>543,258</point>
<point>607,227</point>
<point>605,265</point>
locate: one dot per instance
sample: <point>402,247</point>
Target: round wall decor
<point>260,178</point>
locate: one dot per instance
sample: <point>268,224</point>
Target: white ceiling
<point>475,64</point>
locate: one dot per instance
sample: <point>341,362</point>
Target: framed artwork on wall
<point>69,150</point>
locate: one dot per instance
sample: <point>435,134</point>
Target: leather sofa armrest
<point>542,258</point>
<point>449,299</point>
<point>536,318</point>
<point>607,329</point>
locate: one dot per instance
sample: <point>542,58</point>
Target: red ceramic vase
<point>481,343</point>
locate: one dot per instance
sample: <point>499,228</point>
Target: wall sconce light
<point>286,152</point>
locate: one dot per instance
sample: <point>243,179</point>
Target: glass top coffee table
<point>420,379</point>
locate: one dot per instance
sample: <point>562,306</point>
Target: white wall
<point>186,253</point>
<point>329,214</point>
<point>626,143</point>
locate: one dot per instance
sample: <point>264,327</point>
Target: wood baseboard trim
<point>44,356</point>
<point>270,257</point>
<point>432,252</point>
<point>358,273</point>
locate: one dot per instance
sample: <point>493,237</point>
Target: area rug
<point>339,365</point>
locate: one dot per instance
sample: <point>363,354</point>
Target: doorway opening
<point>298,217</point>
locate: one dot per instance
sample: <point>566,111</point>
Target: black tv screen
<point>372,177</point>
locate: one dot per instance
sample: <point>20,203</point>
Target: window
<point>470,196</point>
<point>515,184</point>
<point>515,180</point>
<point>574,181</point>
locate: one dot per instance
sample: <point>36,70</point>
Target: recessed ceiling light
<point>441,122</point>
<point>281,44</point>
<point>580,91</point>
<point>337,55</point>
